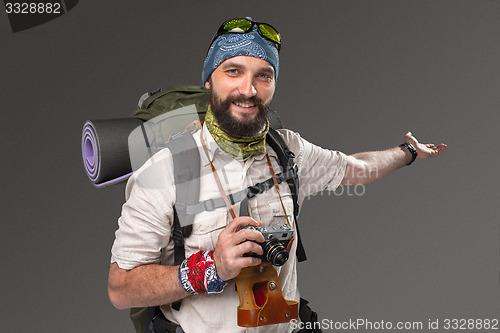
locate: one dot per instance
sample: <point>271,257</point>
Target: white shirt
<point>145,226</point>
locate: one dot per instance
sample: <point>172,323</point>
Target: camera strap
<point>217,179</point>
<point>245,201</point>
<point>277,187</point>
<point>279,194</point>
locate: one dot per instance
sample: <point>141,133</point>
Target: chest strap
<point>249,193</point>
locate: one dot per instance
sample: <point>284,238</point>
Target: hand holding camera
<point>232,245</point>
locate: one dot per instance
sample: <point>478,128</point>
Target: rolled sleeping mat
<point>105,150</point>
<point>109,145</point>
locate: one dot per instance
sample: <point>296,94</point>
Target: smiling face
<point>242,89</point>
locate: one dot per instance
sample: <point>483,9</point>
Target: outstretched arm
<point>363,168</point>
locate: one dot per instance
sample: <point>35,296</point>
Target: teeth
<point>245,105</point>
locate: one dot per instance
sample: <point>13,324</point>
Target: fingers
<point>233,243</point>
<point>425,150</point>
<point>239,222</point>
<point>250,261</point>
<point>244,240</point>
<point>431,150</point>
<point>249,247</point>
<point>248,235</point>
<point>440,149</point>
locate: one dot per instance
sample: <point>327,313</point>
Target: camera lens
<point>275,252</point>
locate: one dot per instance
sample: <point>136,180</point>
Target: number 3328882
<point>32,8</point>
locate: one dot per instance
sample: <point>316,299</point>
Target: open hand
<point>425,150</point>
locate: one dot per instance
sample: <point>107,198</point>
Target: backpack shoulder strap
<point>186,160</point>
<point>285,158</point>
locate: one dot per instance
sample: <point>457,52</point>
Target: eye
<point>265,76</point>
<point>233,71</point>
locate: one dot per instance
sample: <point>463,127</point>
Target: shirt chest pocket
<point>206,229</point>
<point>277,212</point>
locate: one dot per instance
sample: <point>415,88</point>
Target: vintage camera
<point>276,238</point>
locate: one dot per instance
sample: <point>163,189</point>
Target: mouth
<point>245,107</point>
<point>244,104</point>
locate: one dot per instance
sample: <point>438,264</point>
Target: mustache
<point>242,99</point>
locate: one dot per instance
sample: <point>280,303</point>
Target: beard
<point>249,125</point>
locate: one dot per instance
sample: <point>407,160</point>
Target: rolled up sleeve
<point>144,227</point>
<point>319,169</point>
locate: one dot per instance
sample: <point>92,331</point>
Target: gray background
<point>355,75</point>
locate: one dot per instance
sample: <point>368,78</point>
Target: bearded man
<point>240,70</point>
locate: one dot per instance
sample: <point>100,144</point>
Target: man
<point>240,70</point>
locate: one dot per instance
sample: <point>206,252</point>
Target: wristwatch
<point>412,150</point>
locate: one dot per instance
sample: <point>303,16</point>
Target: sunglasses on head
<point>244,25</point>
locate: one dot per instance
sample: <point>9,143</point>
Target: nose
<point>246,87</point>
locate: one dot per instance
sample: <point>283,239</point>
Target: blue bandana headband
<point>230,45</point>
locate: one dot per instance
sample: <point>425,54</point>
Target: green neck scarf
<point>237,147</point>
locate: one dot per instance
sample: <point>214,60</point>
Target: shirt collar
<point>212,146</point>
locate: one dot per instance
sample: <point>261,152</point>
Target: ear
<point>207,84</point>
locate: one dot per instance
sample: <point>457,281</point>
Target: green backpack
<point>158,103</point>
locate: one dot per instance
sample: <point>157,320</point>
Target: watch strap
<point>412,151</point>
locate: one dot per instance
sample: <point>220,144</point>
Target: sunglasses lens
<point>269,32</point>
<point>238,25</point>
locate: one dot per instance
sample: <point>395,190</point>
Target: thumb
<point>410,138</point>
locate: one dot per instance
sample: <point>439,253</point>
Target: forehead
<point>246,62</point>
